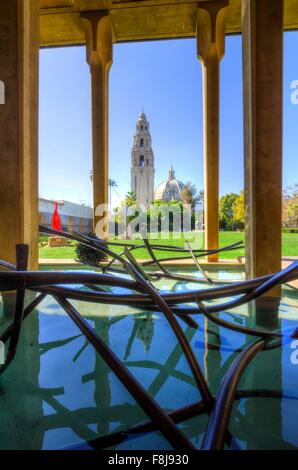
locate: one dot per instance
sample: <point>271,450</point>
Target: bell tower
<point>142,163</point>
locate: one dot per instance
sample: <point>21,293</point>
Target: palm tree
<point>130,198</point>
<point>130,201</point>
<point>112,184</point>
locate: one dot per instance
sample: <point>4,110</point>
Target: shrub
<point>88,255</point>
<point>289,230</point>
<point>43,239</point>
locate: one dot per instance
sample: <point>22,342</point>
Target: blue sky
<point>165,77</point>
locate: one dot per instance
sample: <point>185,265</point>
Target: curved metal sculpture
<point>101,246</point>
<point>142,292</point>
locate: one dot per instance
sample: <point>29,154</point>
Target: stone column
<point>99,39</point>
<point>262,27</point>
<point>211,48</point>
<point>19,45</point>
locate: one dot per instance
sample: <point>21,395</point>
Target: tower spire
<point>142,163</point>
<point>171,172</point>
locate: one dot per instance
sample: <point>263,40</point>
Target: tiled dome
<point>169,190</point>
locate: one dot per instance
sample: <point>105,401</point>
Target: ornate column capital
<point>99,37</point>
<point>211,26</point>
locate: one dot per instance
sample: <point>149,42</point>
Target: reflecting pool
<point>59,392</point>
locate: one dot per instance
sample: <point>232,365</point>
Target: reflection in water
<point>59,391</point>
<point>212,355</point>
<point>264,414</point>
<point>145,330</point>
<point>8,303</point>
<point>102,391</point>
<point>21,407</point>
<point>266,312</point>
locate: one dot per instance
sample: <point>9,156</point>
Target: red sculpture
<point>56,222</point>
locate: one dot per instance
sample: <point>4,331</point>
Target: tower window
<point>142,127</point>
<point>142,142</point>
<point>141,161</point>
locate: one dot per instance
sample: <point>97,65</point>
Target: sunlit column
<point>211,48</point>
<point>19,45</point>
<point>262,29</point>
<point>99,40</point>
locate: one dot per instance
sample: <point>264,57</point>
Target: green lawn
<point>289,247</point>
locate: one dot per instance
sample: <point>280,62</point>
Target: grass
<point>289,247</point>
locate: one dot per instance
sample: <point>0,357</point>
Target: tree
<point>192,197</point>
<point>112,184</point>
<point>291,211</point>
<point>164,213</point>
<point>231,211</point>
<point>239,211</point>
<point>291,191</point>
<point>226,211</point>
<point>187,196</point>
<point>201,196</point>
<point>122,212</point>
<point>190,194</point>
<point>290,206</point>
<point>130,199</point>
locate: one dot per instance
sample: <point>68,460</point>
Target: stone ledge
<point>182,263</point>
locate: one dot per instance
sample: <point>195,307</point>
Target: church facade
<point>143,170</point>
